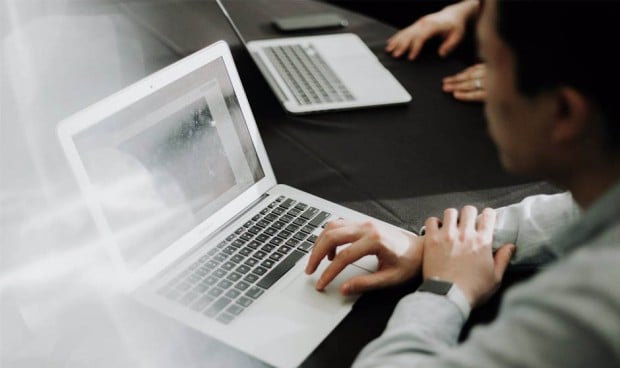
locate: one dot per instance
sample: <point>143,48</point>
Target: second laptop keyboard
<point>226,280</point>
<point>307,75</point>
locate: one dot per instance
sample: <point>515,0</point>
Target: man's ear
<point>571,115</point>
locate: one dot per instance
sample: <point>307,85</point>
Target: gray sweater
<point>566,316</point>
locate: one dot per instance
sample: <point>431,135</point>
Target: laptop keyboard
<point>307,75</point>
<point>228,278</point>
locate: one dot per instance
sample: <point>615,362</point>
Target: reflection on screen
<point>165,164</point>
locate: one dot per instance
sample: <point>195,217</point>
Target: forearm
<point>421,326</point>
<point>466,9</point>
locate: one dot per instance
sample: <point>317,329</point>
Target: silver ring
<point>478,83</point>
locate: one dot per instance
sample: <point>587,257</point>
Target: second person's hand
<point>467,85</point>
<point>449,23</point>
<point>399,254</point>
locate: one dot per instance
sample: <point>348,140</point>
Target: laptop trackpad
<point>302,289</point>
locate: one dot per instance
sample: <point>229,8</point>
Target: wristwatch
<point>449,290</point>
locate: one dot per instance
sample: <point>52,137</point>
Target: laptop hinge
<point>236,217</point>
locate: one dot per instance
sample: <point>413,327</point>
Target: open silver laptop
<point>322,73</point>
<point>178,181</point>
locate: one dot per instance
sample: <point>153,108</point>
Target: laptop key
<point>201,288</point>
<point>259,254</point>
<point>242,285</point>
<point>219,273</point>
<point>319,219</point>
<point>228,265</point>
<point>276,241</point>
<point>308,229</point>
<point>188,298</point>
<point>276,256</point>
<point>225,318</point>
<point>233,277</point>
<point>238,242</point>
<point>284,249</point>
<point>235,309</point>
<point>287,218</point>
<point>305,246</point>
<point>245,251</point>
<point>292,213</point>
<point>284,234</point>
<point>310,213</point>
<point>251,278</point>
<point>250,262</point>
<point>254,292</point>
<point>217,307</point>
<point>232,293</point>
<point>224,284</point>
<point>244,301</point>
<point>215,292</point>
<point>210,280</point>
<point>259,270</point>
<point>275,274</point>
<point>201,303</point>
<point>237,258</point>
<point>268,263</point>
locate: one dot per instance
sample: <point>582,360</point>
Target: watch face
<point>435,286</point>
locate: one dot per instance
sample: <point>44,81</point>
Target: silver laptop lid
<point>168,160</point>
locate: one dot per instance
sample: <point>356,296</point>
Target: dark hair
<point>566,43</point>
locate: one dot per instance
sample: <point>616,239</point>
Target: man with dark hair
<point>550,80</point>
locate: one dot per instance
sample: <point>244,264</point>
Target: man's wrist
<point>449,290</point>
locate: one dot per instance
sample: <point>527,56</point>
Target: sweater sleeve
<point>532,223</point>
<point>422,325</point>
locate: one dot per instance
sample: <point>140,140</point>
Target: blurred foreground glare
<point>61,301</point>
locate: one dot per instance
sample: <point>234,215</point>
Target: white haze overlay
<point>61,300</point>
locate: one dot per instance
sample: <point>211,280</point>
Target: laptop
<point>179,184</point>
<point>322,73</point>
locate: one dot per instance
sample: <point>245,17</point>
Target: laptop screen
<point>166,163</point>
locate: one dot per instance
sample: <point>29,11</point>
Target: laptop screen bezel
<point>97,113</point>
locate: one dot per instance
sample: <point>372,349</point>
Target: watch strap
<point>450,291</point>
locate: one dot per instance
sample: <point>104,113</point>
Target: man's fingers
<point>336,233</point>
<point>362,283</point>
<point>486,220</point>
<point>467,220</point>
<point>344,258</point>
<point>502,259</point>
<point>432,225</point>
<point>450,218</point>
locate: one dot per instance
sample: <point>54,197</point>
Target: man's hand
<point>460,251</point>
<point>399,254</point>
